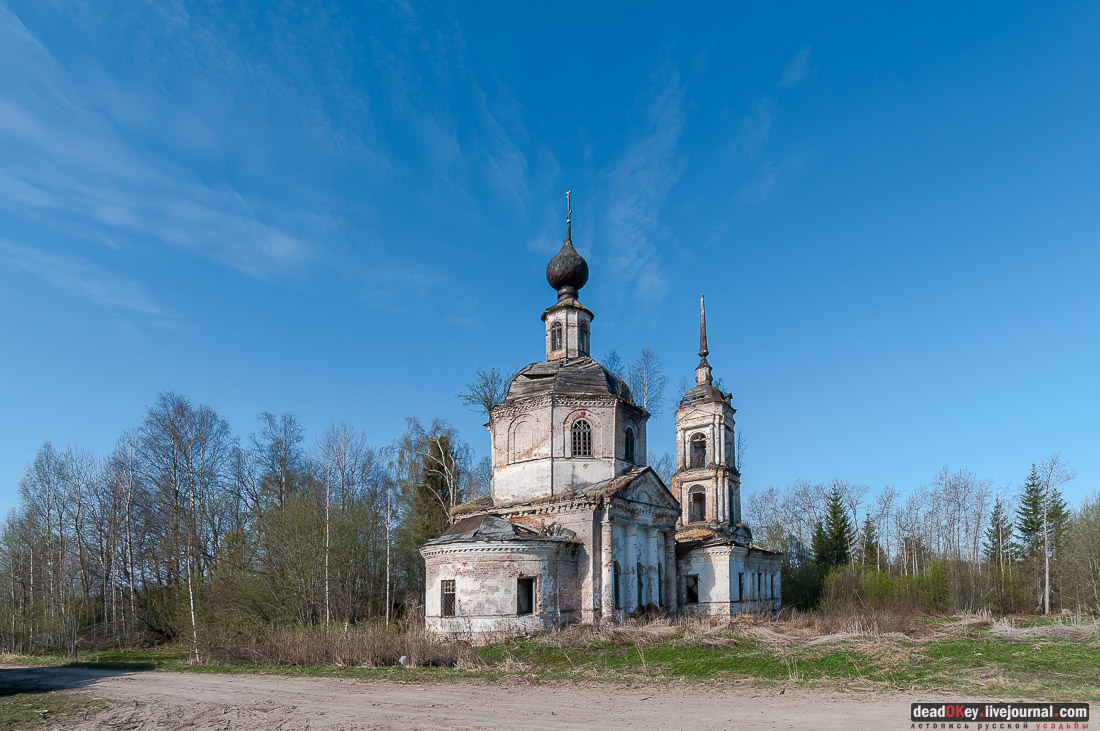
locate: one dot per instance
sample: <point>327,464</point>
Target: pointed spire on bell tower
<point>568,217</point>
<point>703,370</point>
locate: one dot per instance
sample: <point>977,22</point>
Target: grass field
<point>1014,659</point>
<point>41,709</point>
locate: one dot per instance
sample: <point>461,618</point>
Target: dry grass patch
<point>373,645</point>
<point>1073,629</point>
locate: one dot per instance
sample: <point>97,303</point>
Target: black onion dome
<point>567,271</point>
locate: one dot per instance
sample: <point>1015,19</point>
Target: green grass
<point>30,710</point>
<point>959,658</point>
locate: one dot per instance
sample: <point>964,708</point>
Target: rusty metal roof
<point>481,528</point>
<point>604,489</point>
<point>705,393</point>
<point>575,376</point>
<point>690,538</point>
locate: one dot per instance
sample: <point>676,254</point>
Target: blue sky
<point>343,211</point>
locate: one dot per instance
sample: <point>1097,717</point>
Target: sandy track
<point>191,700</point>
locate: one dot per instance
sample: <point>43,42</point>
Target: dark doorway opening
<point>691,589</point>
<point>526,595</point>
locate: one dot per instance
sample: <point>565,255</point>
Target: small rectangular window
<point>447,600</point>
<point>691,589</point>
<point>525,590</point>
<point>618,594</point>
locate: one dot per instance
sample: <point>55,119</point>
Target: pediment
<point>648,489</point>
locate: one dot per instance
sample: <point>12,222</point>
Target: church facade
<point>576,527</point>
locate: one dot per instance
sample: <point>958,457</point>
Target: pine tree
<point>869,549</point>
<point>1041,521</point>
<point>833,535</point>
<point>999,547</point>
<point>1029,517</point>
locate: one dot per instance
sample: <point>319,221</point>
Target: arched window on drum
<point>582,438</point>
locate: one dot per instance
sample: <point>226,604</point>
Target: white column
<point>671,587</point>
<point>651,565</point>
<point>630,571</point>
<point>607,574</point>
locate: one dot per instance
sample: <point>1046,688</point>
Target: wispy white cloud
<point>757,190</point>
<point>467,142</point>
<point>767,180</point>
<point>79,277</point>
<point>797,70</point>
<point>145,154</point>
<point>639,183</point>
<point>754,129</point>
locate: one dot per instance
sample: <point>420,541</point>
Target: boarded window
<point>618,586</point>
<point>691,589</point>
<point>697,505</point>
<point>525,592</point>
<point>582,438</point>
<point>555,336</point>
<point>698,451</point>
<point>641,587</point>
<point>629,444</point>
<point>447,598</point>
<point>740,586</point>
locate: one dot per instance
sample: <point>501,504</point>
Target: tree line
<point>955,543</point>
<point>186,527</point>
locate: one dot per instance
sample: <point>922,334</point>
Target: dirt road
<point>191,700</point>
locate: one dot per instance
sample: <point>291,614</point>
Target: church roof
<point>703,394</point>
<point>691,538</point>
<point>603,489</point>
<point>574,376</point>
<point>481,528</point>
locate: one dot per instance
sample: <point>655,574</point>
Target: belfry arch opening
<point>556,339</point>
<point>697,504</point>
<point>698,451</point>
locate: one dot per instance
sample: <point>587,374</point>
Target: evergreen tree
<point>869,548</point>
<point>1029,517</point>
<point>1038,499</point>
<point>999,547</point>
<point>1041,522</point>
<point>833,535</point>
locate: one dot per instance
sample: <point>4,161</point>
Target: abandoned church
<point>577,528</point>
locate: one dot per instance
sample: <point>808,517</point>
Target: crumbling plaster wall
<point>486,582</point>
<point>609,530</point>
<point>718,568</point>
<point>531,445</point>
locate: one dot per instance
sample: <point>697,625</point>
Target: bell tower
<point>707,481</point>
